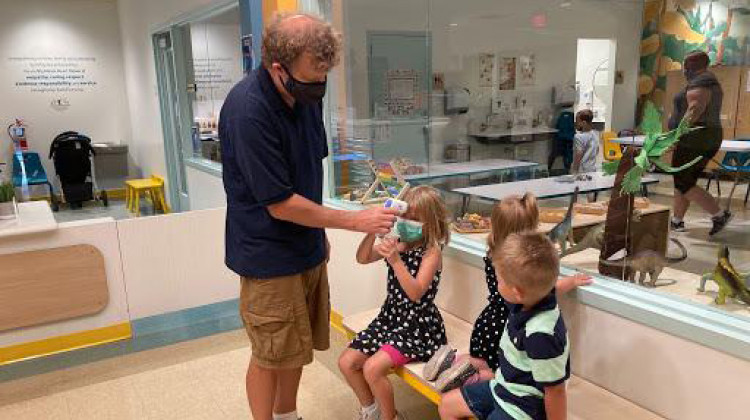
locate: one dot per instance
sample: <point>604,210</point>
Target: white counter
<point>33,217</point>
<point>742,146</point>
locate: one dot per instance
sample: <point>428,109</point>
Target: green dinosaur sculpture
<point>654,146</point>
<point>731,282</point>
<point>744,275</point>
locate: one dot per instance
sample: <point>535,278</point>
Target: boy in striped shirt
<point>534,361</point>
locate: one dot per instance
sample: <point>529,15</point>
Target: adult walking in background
<point>273,142</point>
<point>700,102</point>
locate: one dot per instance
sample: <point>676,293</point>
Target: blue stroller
<point>28,171</point>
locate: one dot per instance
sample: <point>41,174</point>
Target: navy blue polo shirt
<point>269,152</point>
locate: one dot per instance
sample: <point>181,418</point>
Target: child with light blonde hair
<point>409,326</point>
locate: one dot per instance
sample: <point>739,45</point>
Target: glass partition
<point>478,98</point>
<point>216,66</point>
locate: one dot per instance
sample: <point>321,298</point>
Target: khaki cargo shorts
<point>287,317</point>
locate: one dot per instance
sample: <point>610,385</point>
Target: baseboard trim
<point>141,334</point>
<point>64,343</point>
<point>146,334</point>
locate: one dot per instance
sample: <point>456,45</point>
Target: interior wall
<point>100,233</point>
<point>138,20</point>
<point>462,30</point>
<point>217,58</point>
<point>175,262</point>
<point>206,189</point>
<point>62,70</point>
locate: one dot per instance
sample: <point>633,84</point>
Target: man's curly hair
<point>284,41</point>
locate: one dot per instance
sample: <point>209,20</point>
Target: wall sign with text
<point>53,74</point>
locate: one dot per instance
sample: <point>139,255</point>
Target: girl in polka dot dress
<point>409,326</point>
<point>513,214</point>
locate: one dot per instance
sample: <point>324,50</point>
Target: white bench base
<point>585,400</point>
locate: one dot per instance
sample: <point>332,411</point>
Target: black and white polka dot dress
<point>489,326</point>
<point>414,328</point>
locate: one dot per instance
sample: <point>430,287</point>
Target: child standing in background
<point>513,214</point>
<point>409,326</point>
<point>585,144</point>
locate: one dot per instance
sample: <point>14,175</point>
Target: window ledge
<point>692,321</point>
<point>204,165</point>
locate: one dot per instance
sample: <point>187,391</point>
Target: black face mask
<point>306,93</point>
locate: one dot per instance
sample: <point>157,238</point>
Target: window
<point>477,98</point>
<point>216,67</point>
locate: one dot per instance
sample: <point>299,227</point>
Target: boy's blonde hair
<point>426,204</point>
<point>512,215</point>
<point>528,261</point>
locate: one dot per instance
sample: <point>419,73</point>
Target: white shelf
<point>33,217</point>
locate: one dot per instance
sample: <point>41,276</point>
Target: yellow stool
<point>611,150</point>
<point>152,187</point>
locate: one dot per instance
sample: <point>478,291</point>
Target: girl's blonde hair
<point>514,214</point>
<point>427,206</point>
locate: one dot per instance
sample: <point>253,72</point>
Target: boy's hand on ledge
<point>568,283</point>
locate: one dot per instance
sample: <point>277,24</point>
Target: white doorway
<point>595,76</point>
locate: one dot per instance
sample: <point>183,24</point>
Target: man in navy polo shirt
<point>273,142</point>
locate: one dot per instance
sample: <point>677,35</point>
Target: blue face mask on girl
<point>409,230</point>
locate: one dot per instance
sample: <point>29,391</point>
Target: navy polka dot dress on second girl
<point>489,326</point>
<point>414,328</point>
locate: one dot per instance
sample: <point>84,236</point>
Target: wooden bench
<point>585,400</point>
<point>459,334</point>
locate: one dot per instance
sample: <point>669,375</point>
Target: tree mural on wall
<point>673,28</point>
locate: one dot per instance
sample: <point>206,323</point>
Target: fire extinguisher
<point>17,133</point>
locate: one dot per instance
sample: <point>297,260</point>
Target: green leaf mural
<point>686,30</point>
<point>717,30</point>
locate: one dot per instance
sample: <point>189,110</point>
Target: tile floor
<point>204,379</point>
<point>199,379</point>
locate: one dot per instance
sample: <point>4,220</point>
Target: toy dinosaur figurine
<point>655,144</point>
<point>744,275</point>
<point>562,233</point>
<point>649,263</point>
<point>731,282</point>
<point>594,237</point>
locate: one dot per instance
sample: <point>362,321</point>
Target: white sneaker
<point>370,415</point>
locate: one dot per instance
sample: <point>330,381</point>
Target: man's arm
<point>556,402</point>
<point>265,170</point>
<point>697,99</point>
<point>300,210</point>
